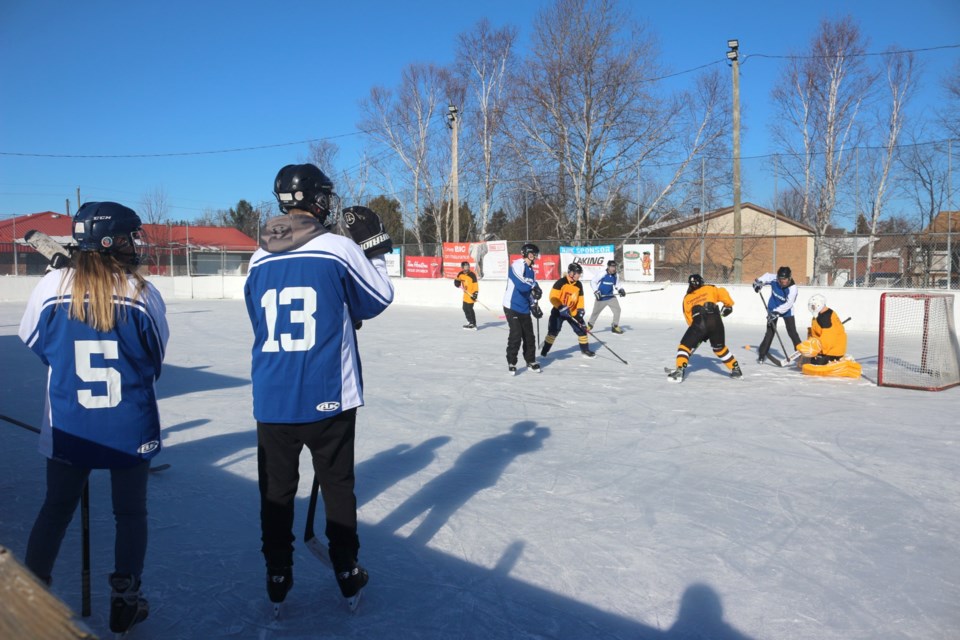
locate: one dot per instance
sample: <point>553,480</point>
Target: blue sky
<point>124,78</point>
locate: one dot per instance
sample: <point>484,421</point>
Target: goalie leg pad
<point>846,368</point>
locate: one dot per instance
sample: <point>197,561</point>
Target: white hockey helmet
<point>816,304</point>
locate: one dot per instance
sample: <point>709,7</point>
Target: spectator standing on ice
<point>101,329</point>
<point>307,292</point>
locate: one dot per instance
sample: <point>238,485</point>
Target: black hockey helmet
<point>529,248</point>
<point>695,281</point>
<point>464,265</point>
<point>305,187</point>
<point>107,227</point>
<point>784,273</point>
<point>574,268</point>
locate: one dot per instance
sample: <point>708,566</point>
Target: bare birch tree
<point>818,102</point>
<point>404,122</point>
<point>950,115</point>
<point>901,83</point>
<point>583,105</point>
<point>927,186</point>
<point>484,56</point>
<point>155,206</point>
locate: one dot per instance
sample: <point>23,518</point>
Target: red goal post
<point>918,346</point>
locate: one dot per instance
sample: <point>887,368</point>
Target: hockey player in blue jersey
<point>102,331</point>
<point>307,292</point>
<point>519,302</point>
<point>606,287</point>
<point>783,295</point>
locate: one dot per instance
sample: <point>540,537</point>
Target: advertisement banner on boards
<point>639,264</point>
<point>592,259</point>
<point>495,261</point>
<point>422,267</point>
<point>546,268</point>
<point>394,262</point>
<point>453,254</point>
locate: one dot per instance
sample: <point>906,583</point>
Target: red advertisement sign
<point>453,254</point>
<point>546,268</point>
<point>422,267</point>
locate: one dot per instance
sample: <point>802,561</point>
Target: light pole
<point>734,58</point>
<point>453,121</point>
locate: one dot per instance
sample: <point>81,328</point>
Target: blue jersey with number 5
<point>303,302</point>
<point>101,405</point>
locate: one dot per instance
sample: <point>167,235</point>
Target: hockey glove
<point>357,325</point>
<point>757,285</point>
<point>596,294</point>
<point>473,296</point>
<point>622,292</point>
<point>367,230</point>
<point>456,283</point>
<point>772,318</point>
<point>536,311</point>
<point>726,311</point>
<point>565,312</point>
<point>536,293</point>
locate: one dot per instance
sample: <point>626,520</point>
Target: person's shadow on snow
<point>701,617</point>
<point>385,469</point>
<point>477,468</point>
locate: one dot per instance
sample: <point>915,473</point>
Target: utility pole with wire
<point>733,56</point>
<point>453,122</point>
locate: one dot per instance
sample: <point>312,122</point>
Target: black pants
<point>330,443</point>
<point>791,324</point>
<point>469,313</point>
<point>521,330</point>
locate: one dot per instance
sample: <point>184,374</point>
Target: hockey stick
<point>56,254</point>
<point>776,330</point>
<point>316,547</point>
<point>630,293</point>
<point>309,537</point>
<point>590,333</point>
<point>30,427</point>
<point>85,550</point>
<point>84,527</point>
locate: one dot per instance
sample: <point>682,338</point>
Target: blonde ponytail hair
<point>98,280</point>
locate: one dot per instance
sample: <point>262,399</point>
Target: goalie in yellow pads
<point>826,347</point>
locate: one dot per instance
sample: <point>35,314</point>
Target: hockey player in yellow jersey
<point>826,348</point>
<point>466,281</point>
<point>566,296</point>
<point>704,308</point>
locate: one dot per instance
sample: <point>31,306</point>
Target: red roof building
<point>160,242</point>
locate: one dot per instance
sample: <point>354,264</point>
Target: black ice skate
<point>533,366</point>
<point>279,583</point>
<point>512,369</point>
<point>677,374</point>
<point>736,372</point>
<point>127,605</point>
<point>470,327</point>
<point>351,584</point>
<point>616,329</point>
<point>586,353</point>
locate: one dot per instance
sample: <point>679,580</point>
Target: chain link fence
<point>18,259</point>
<point>890,261</point>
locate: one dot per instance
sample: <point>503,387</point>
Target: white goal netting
<point>918,342</point>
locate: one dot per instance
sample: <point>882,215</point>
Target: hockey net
<point>918,342</point>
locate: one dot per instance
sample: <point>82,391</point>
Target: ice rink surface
<point>594,500</point>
